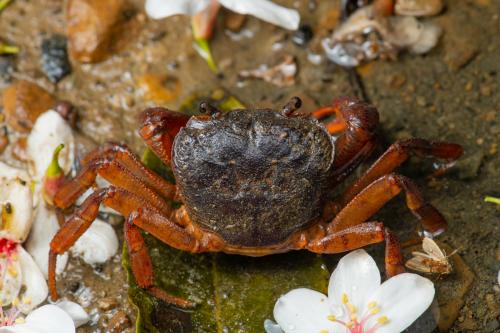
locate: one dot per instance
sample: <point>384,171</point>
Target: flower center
<point>356,324</point>
<point>7,247</point>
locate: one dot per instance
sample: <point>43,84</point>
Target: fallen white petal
<point>49,131</point>
<point>46,319</point>
<point>11,279</point>
<point>97,244</point>
<point>158,9</point>
<point>271,327</point>
<point>357,276</point>
<point>304,311</point>
<point>11,172</point>
<point>45,226</point>
<point>266,11</point>
<point>402,299</point>
<point>75,311</point>
<point>16,222</point>
<point>36,290</point>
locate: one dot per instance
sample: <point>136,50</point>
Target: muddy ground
<point>449,94</point>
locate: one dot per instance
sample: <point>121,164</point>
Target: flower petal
<point>11,278</point>
<point>304,311</point>
<point>36,289</point>
<point>11,172</point>
<point>158,9</point>
<point>49,131</point>
<point>75,311</point>
<point>402,299</point>
<point>97,244</point>
<point>44,228</point>
<point>45,319</point>
<point>271,327</point>
<point>266,11</point>
<point>357,276</point>
<point>17,220</point>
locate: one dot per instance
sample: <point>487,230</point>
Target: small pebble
<point>55,62</point>
<point>118,323</point>
<point>107,303</point>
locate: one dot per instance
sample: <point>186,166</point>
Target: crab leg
<point>125,203</point>
<point>358,236</point>
<point>335,125</point>
<point>159,128</point>
<point>375,196</point>
<point>120,166</point>
<point>400,152</point>
<point>142,266</point>
<point>358,140</point>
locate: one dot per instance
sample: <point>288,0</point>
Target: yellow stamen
<point>372,304</point>
<point>15,302</point>
<point>20,320</point>
<point>331,318</point>
<point>354,317</point>
<point>323,331</point>
<point>374,311</point>
<point>351,307</point>
<point>12,270</point>
<point>345,299</point>
<point>350,324</point>
<point>27,300</point>
<point>382,320</point>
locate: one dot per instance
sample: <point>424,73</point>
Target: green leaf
<point>4,4</point>
<point>202,46</point>
<point>233,293</point>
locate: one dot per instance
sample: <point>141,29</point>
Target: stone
<point>92,26</point>
<point>23,102</point>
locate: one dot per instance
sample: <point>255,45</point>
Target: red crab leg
<point>333,126</point>
<point>118,165</point>
<point>115,173</point>
<point>359,236</point>
<point>142,266</point>
<point>159,128</point>
<point>125,203</point>
<point>375,196</point>
<point>400,152</point>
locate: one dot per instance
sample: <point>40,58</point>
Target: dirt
<point>450,94</point>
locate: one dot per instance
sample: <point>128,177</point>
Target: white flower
<point>356,301</point>
<point>20,277</point>
<point>49,131</point>
<point>262,9</point>
<point>98,244</point>
<point>45,226</point>
<point>46,319</point>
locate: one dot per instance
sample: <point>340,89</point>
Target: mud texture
<point>450,94</point>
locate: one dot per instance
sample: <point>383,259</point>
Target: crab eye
<point>206,107</point>
<point>293,104</point>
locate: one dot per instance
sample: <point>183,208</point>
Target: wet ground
<point>449,94</point>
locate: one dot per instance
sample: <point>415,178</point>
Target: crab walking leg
<point>125,203</point>
<point>114,172</point>
<point>377,194</point>
<point>159,127</point>
<point>358,236</point>
<point>398,153</point>
<point>142,266</point>
<point>120,166</point>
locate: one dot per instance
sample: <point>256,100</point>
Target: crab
<point>251,182</point>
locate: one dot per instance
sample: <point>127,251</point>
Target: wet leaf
<point>232,293</point>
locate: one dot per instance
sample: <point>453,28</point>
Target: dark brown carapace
<point>252,182</point>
